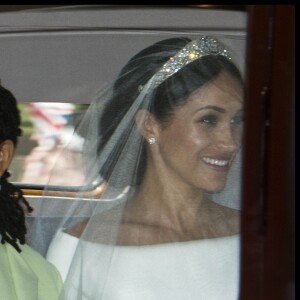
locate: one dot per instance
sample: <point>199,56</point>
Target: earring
<point>152,140</point>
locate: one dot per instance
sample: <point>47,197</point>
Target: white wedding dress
<point>199,270</point>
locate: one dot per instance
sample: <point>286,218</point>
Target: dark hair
<point>12,202</point>
<point>171,93</point>
<point>9,117</point>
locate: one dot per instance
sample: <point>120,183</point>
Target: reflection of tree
<point>26,122</point>
<point>25,144</point>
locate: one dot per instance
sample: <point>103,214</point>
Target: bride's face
<point>199,144</point>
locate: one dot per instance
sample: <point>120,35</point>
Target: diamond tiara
<point>192,51</point>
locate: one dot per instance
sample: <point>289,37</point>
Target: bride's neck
<point>160,203</point>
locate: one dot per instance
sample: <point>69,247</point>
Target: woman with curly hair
<point>24,273</point>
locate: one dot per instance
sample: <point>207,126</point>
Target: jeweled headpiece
<point>192,51</point>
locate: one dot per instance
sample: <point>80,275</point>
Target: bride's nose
<point>229,138</point>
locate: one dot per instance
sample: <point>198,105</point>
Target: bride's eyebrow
<point>216,108</point>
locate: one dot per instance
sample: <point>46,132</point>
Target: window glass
<point>64,64</point>
<point>71,65</point>
<point>47,129</point>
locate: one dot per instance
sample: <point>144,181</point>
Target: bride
<point>163,138</point>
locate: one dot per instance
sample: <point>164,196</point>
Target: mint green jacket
<point>27,275</point>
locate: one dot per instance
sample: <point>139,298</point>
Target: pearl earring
<point>152,140</point>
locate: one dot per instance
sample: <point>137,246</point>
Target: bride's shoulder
<point>226,218</point>
<point>77,229</point>
<point>98,224</point>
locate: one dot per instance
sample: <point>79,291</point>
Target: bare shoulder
<point>111,227</point>
<point>226,219</point>
<point>77,229</point>
<point>99,225</point>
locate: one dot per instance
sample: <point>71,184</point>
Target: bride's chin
<point>215,188</point>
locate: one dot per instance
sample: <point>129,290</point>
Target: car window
<point>56,62</point>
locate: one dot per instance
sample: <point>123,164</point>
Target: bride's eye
<point>237,120</point>
<point>209,120</point>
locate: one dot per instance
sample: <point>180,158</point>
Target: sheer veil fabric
<point>163,219</point>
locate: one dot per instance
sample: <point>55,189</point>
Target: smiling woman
<point>164,137</point>
<point>111,245</point>
<point>203,136</point>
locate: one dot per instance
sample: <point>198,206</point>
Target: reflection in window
<point>47,129</point>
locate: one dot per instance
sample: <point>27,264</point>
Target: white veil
<point>100,263</point>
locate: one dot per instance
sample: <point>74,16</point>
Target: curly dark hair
<point>12,201</point>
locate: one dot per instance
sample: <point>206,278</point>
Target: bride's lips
<point>217,163</point>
